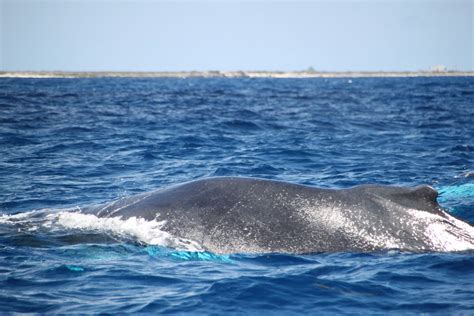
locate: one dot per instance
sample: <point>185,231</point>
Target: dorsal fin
<point>425,192</point>
<point>422,197</point>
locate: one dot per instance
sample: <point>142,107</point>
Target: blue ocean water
<point>67,143</point>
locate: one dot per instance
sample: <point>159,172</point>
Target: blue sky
<point>146,35</point>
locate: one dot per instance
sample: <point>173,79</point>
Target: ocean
<point>66,143</point>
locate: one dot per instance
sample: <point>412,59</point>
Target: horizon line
<point>234,74</point>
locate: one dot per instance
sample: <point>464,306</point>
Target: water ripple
<point>74,142</point>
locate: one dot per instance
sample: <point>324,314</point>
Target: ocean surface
<point>69,143</point>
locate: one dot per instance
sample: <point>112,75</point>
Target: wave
<point>72,222</point>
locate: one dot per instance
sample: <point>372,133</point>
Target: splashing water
<point>137,229</point>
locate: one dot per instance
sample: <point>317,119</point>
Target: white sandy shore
<point>231,74</point>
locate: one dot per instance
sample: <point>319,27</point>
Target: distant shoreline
<point>232,74</point>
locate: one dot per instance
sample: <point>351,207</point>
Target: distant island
<point>233,74</point>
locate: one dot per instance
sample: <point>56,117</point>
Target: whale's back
<point>228,215</point>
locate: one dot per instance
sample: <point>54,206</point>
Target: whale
<point>226,215</point>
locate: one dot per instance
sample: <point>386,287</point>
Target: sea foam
<point>139,229</point>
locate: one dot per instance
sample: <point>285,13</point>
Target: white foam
<point>147,232</point>
<point>11,218</point>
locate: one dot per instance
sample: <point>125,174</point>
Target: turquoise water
<point>69,143</point>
